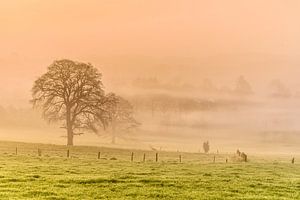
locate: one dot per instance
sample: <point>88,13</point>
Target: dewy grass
<point>83,176</point>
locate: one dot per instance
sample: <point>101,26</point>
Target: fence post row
<point>244,156</point>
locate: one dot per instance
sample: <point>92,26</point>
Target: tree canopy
<point>73,92</point>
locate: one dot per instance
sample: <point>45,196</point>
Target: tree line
<point>242,87</point>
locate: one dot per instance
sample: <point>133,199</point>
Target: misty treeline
<point>73,93</point>
<point>162,104</point>
<point>241,87</point>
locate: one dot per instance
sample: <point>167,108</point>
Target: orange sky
<point>175,38</point>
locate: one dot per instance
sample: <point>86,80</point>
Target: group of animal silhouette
<point>242,155</point>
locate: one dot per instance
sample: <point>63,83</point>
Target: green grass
<point>83,176</point>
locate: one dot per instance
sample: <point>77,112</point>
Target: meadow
<point>24,174</point>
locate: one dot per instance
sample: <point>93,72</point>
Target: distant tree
<point>243,87</point>
<point>206,147</point>
<point>72,92</point>
<point>121,119</point>
<point>278,89</point>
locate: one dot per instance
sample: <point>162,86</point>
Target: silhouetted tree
<point>72,92</point>
<point>243,87</point>
<point>206,147</point>
<point>121,118</point>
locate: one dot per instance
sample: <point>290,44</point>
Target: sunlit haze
<point>165,51</point>
<point>166,39</point>
<point>150,99</point>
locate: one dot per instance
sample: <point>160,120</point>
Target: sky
<point>125,39</point>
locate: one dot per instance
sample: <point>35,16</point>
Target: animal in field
<point>244,157</point>
<point>152,148</point>
<point>238,152</point>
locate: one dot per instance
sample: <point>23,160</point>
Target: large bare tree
<point>72,92</point>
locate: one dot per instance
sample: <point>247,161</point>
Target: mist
<point>192,70</point>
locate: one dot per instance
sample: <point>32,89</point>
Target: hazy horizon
<point>174,51</point>
<point>189,40</point>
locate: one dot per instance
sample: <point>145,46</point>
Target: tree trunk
<point>70,136</point>
<point>69,128</point>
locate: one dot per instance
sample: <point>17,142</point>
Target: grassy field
<point>83,176</point>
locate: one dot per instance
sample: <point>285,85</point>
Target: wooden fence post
<point>68,153</point>
<point>293,160</point>
<point>226,160</point>
<point>39,152</point>
<point>144,158</point>
<point>156,157</point>
<point>99,154</point>
<point>132,156</point>
<point>179,158</point>
<point>214,159</point>
<point>16,150</point>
